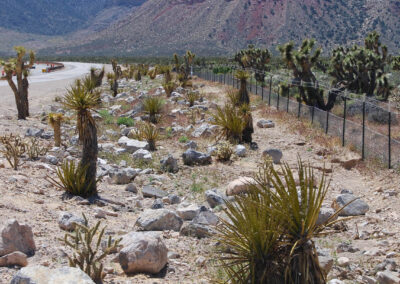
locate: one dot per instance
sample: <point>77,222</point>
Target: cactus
<point>87,256</point>
<point>360,69</point>
<point>83,101</point>
<point>97,76</point>
<point>254,58</point>
<point>301,63</point>
<point>17,66</point>
<point>117,74</point>
<point>55,120</point>
<point>183,70</point>
<point>13,148</point>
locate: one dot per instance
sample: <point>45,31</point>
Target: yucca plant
<point>242,76</point>
<point>250,239</point>
<point>55,120</point>
<point>153,73</point>
<point>166,71</point>
<point>248,130</point>
<point>169,88</point>
<point>117,74</point>
<point>191,97</point>
<point>72,178</point>
<point>268,236</point>
<point>81,100</point>
<point>138,75</point>
<point>231,121</point>
<point>233,97</point>
<point>148,132</point>
<point>86,244</point>
<point>152,105</point>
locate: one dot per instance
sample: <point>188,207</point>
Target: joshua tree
<point>301,62</point>
<point>55,120</point>
<point>396,62</point>
<point>255,58</point>
<point>183,70</point>
<point>117,74</point>
<point>83,101</point>
<point>97,76</point>
<point>243,93</point>
<point>17,66</point>
<point>360,69</point>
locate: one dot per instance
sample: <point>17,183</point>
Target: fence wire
<point>369,126</point>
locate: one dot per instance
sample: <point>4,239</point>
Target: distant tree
<point>16,66</point>
<point>117,74</point>
<point>254,58</point>
<point>302,62</point>
<point>361,69</point>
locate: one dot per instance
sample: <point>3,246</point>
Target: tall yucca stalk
<point>83,101</point>
<point>55,120</point>
<point>242,76</point>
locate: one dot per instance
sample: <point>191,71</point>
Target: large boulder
<point>132,145</point>
<point>159,220</point>
<point>16,237</point>
<point>355,208</point>
<point>143,252</point>
<point>67,221</point>
<point>240,185</point>
<point>192,157</point>
<point>45,275</point>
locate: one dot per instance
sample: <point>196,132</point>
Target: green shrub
<point>224,151</point>
<point>183,139</point>
<point>128,121</point>
<point>106,116</point>
<point>268,234</point>
<point>13,149</point>
<point>72,179</point>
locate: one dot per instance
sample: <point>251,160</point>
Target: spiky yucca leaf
<point>153,106</point>
<point>148,132</point>
<point>72,179</point>
<point>231,121</point>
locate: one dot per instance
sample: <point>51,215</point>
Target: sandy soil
<point>26,196</point>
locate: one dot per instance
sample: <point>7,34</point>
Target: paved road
<point>44,87</point>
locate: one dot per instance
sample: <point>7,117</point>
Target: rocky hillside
<point>160,27</point>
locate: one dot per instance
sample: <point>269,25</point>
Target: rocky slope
<point>160,27</point>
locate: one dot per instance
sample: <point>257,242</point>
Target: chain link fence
<point>370,126</point>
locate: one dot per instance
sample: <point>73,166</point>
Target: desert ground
<point>356,249</point>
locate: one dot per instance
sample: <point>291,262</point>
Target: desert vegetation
<point>201,182</point>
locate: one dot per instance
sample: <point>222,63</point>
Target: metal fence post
<point>312,114</point>
<point>363,133</point>
<point>224,78</point>
<point>327,122</point>
<point>299,110</point>
<point>277,102</point>
<point>287,102</point>
<point>390,140</point>
<point>270,90</point>
<point>344,121</point>
<point>256,86</point>
<point>262,91</point>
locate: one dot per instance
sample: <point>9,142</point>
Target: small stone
<point>263,123</point>
<point>157,204</point>
<point>192,157</point>
<point>240,151</point>
<point>142,155</point>
<point>213,198</point>
<point>67,221</point>
<point>153,192</point>
<point>14,258</point>
<point>240,185</point>
<point>100,213</point>
<point>275,154</point>
<point>200,261</point>
<point>159,220</point>
<point>131,188</point>
<point>169,164</point>
<point>387,277</point>
<point>343,261</point>
<point>356,208</point>
<point>174,199</point>
<point>189,212</point>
